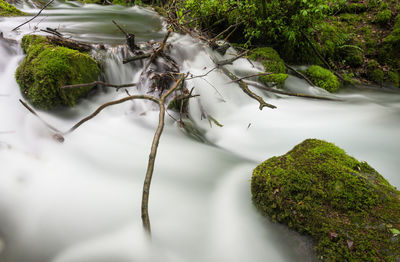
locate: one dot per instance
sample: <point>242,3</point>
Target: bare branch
<point>152,158</point>
<point>44,7</point>
<point>35,114</point>
<point>300,75</point>
<point>281,92</point>
<point>245,88</point>
<point>98,83</point>
<point>231,60</point>
<point>102,107</point>
<point>135,58</point>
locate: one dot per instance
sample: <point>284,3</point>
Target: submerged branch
<point>300,75</point>
<point>44,7</point>
<point>281,92</point>
<point>30,109</point>
<point>98,83</point>
<point>102,107</point>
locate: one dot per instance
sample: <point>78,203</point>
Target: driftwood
<point>41,10</point>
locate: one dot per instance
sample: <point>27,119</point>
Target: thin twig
<point>120,28</point>
<point>300,74</point>
<point>135,58</point>
<point>102,107</point>
<point>35,114</point>
<point>44,7</point>
<point>231,60</point>
<point>98,83</point>
<point>281,92</point>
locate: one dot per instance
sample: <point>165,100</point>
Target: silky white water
<point>80,201</point>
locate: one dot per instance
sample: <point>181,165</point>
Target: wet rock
<point>345,205</point>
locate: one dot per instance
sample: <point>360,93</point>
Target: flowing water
<point>80,201</point>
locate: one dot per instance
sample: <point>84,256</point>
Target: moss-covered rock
<point>47,67</point>
<point>272,63</point>
<point>374,72</point>
<point>346,206</point>
<point>7,9</point>
<point>323,78</point>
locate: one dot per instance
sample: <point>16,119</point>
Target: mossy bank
<point>346,206</point>
<point>48,67</point>
<point>7,9</point>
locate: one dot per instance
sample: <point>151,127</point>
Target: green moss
<point>374,72</point>
<point>345,205</point>
<point>7,9</point>
<point>277,79</point>
<point>323,78</point>
<point>269,58</point>
<point>393,78</point>
<point>272,63</point>
<point>353,55</point>
<point>389,53</point>
<point>46,68</point>
<point>383,17</point>
<point>356,8</point>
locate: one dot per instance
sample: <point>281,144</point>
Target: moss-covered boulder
<point>272,63</point>
<point>346,206</point>
<point>7,9</point>
<point>48,67</point>
<point>323,78</point>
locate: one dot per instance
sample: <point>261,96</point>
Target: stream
<point>80,201</point>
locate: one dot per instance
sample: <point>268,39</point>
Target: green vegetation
<point>374,72</point>
<point>323,78</point>
<point>7,9</point>
<point>346,206</point>
<point>272,63</point>
<point>347,34</point>
<point>383,17</point>
<point>46,68</point>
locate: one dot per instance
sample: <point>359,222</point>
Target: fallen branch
<point>231,60</point>
<point>152,157</point>
<point>281,92</point>
<point>130,38</point>
<point>135,58</point>
<point>300,75</point>
<point>158,50</point>
<point>245,88</point>
<point>44,7</point>
<point>321,57</point>
<point>35,114</point>
<point>98,83</point>
<point>72,44</point>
